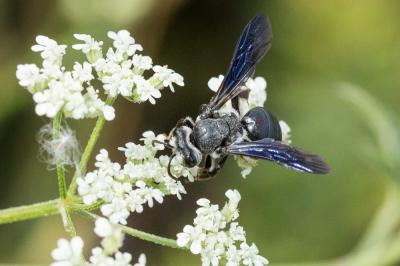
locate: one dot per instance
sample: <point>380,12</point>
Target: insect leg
<point>212,169</point>
<point>169,167</point>
<point>165,143</point>
<point>187,121</point>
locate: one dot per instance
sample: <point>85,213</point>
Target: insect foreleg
<point>212,169</point>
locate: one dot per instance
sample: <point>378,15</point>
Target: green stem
<point>15,214</point>
<point>62,188</point>
<point>42,209</point>
<point>94,136</point>
<point>163,241</point>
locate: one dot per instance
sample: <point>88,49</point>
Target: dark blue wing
<point>280,153</point>
<point>253,44</point>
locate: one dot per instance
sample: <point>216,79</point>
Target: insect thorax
<point>211,133</point>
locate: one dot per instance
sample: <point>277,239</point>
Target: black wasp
<point>207,141</point>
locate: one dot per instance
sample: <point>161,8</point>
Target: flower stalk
<point>163,241</point>
<point>62,187</point>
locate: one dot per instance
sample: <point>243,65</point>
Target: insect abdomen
<point>261,124</point>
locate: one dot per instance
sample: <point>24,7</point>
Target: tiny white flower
<point>148,193</point>
<point>113,242</point>
<point>141,260</point>
<point>68,83</point>
<point>120,188</point>
<point>135,201</point>
<point>103,65</point>
<point>209,217</point>
<point>167,77</point>
<point>145,90</point>
<point>121,81</point>
<point>124,41</point>
<point>100,258</point>
<point>174,187</point>
<point>233,256</point>
<point>122,259</point>
<point>116,211</point>
<point>89,43</point>
<point>135,152</point>
<point>227,108</point>
<point>103,228</point>
<point>104,163</point>
<point>108,112</point>
<point>211,255</point>
<point>250,255</point>
<point>151,140</point>
<point>95,185</point>
<point>75,105</point>
<point>49,102</point>
<point>28,76</point>
<point>258,94</point>
<point>114,56</point>
<point>214,83</point>
<point>52,72</point>
<point>230,210</point>
<point>246,163</point>
<point>82,72</point>
<point>237,232</point>
<point>285,129</point>
<point>68,253</point>
<point>192,237</point>
<point>142,62</point>
<point>49,50</point>
<point>96,106</point>
<point>234,197</point>
<point>203,202</point>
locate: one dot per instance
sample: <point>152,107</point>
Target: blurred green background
<point>292,217</point>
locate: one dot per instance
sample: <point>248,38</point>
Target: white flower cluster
<point>257,96</point>
<point>121,72</point>
<point>217,238</point>
<point>69,253</point>
<point>142,180</point>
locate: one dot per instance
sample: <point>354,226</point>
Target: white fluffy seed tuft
<point>64,149</point>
